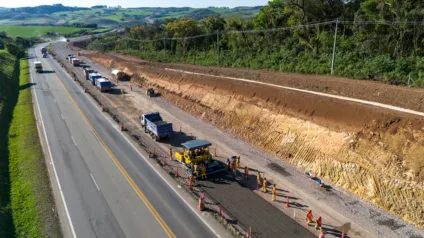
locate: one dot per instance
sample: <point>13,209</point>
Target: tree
<point>214,23</point>
<point>183,28</point>
<point>271,16</point>
<point>14,49</point>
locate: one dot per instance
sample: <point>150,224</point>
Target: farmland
<point>120,16</point>
<point>35,31</point>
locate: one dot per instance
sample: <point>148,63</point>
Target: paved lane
<point>84,167</point>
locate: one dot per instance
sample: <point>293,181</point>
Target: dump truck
<point>103,84</point>
<point>75,61</point>
<point>154,125</point>
<point>38,67</point>
<point>196,152</point>
<point>87,72</point>
<point>72,59</point>
<point>93,77</point>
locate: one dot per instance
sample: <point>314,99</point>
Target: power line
<point>346,22</point>
<point>415,23</point>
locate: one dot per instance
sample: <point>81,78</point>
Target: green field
<point>35,31</point>
<point>132,15</point>
<point>26,201</point>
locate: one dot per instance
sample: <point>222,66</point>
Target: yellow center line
<point>140,194</point>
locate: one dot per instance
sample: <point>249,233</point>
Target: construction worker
<point>274,192</point>
<point>309,217</point>
<point>246,172</point>
<point>238,161</point>
<point>196,169</point>
<point>204,172</point>
<point>235,169</point>
<point>191,181</point>
<point>264,186</point>
<point>258,180</point>
<point>229,164</point>
<point>321,234</point>
<point>318,223</point>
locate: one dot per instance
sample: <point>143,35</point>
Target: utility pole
<point>164,47</point>
<point>334,47</point>
<point>217,46</point>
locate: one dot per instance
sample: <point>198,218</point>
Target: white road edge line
<point>148,162</point>
<point>94,182</point>
<point>382,105</point>
<point>62,116</point>
<point>52,162</point>
<point>74,141</point>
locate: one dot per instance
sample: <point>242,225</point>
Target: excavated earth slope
<point>375,153</point>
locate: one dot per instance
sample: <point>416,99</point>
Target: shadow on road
<point>115,91</point>
<point>177,139</point>
<point>28,85</point>
<point>48,72</point>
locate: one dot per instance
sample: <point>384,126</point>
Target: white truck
<point>38,67</point>
<point>75,61</point>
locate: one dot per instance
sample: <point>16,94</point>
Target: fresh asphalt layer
<point>103,199</point>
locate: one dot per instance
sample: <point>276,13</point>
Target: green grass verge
<point>26,202</point>
<point>36,31</point>
<point>9,84</point>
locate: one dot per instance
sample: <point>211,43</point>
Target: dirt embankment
<point>410,98</point>
<point>372,152</point>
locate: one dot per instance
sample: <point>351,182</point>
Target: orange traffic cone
<point>122,127</point>
<point>220,211</point>
<point>201,204</point>
<point>287,202</point>
<point>103,108</point>
<point>176,172</point>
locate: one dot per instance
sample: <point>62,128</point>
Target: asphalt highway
<point>109,189</point>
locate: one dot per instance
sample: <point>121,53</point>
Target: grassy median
<point>27,207</point>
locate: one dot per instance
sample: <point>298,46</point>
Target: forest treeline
<point>376,39</point>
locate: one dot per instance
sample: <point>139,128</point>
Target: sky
<point>136,3</point>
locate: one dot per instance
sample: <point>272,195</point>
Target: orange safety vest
<point>274,190</point>
<point>309,215</point>
<point>246,171</point>
<point>264,185</point>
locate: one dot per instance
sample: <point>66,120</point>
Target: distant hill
<point>58,14</point>
<point>47,9</point>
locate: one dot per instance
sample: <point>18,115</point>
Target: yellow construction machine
<point>196,152</point>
